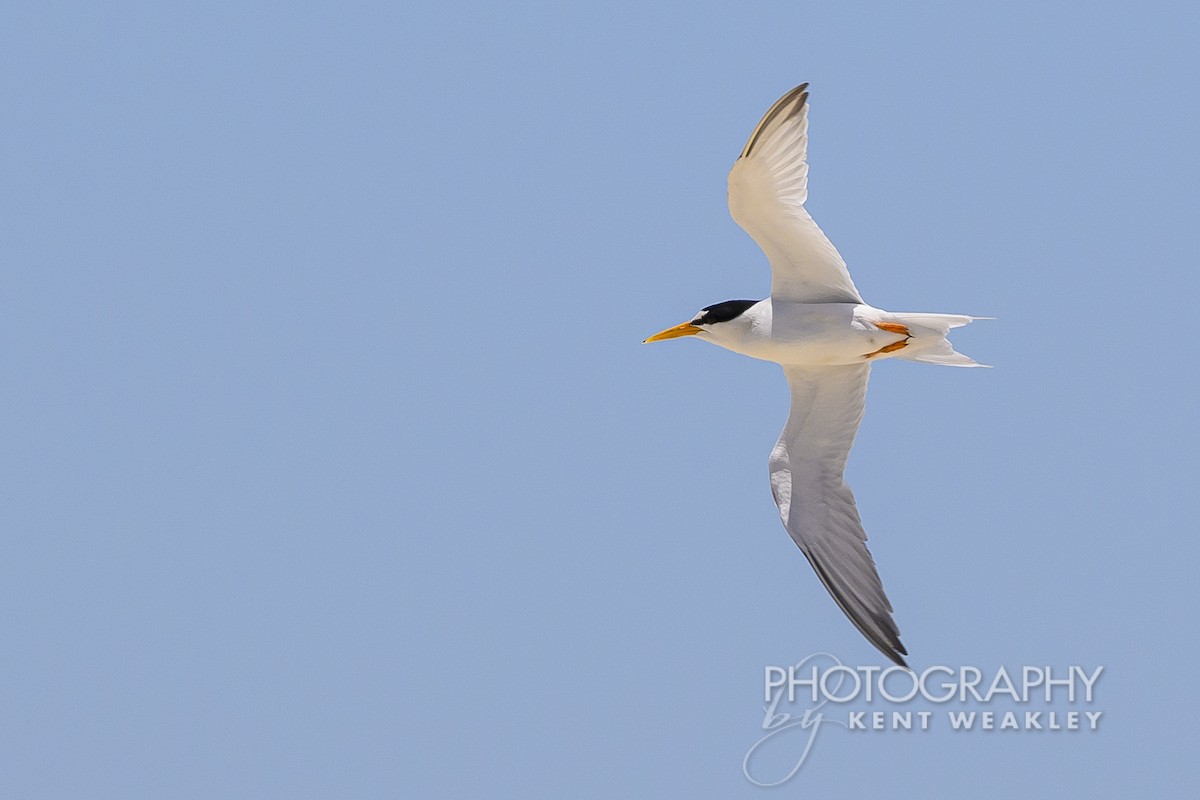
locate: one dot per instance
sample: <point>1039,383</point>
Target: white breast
<point>817,334</point>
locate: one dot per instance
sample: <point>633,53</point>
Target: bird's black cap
<point>722,312</point>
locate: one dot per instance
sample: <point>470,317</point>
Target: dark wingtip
<point>886,640</point>
<point>800,92</point>
<point>890,647</point>
<point>894,649</point>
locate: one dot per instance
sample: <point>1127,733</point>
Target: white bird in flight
<point>818,328</point>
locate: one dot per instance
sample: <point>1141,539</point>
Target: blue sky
<point>333,465</point>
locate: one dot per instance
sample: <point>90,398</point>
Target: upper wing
<point>817,506</point>
<point>767,189</point>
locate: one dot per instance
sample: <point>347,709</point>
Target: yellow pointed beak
<point>686,329</point>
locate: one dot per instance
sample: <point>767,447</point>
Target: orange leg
<point>891,327</point>
<point>888,348</point>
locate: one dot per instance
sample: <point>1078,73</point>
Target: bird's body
<point>816,325</point>
<point>828,334</point>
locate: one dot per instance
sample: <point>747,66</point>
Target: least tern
<point>818,328</point>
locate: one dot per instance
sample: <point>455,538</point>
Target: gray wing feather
<point>817,507</point>
<point>768,186</point>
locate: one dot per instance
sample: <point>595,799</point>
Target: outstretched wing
<point>767,189</point>
<point>817,507</point>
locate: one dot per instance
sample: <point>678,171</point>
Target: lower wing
<point>817,507</point>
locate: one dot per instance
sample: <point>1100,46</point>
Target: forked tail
<point>929,344</point>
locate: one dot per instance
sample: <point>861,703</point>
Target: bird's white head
<point>722,324</point>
